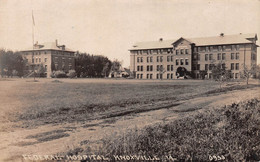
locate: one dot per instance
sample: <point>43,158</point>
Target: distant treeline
<point>11,63</point>
<point>86,65</point>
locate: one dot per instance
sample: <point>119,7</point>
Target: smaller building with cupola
<point>48,57</point>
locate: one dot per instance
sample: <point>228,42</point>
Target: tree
<point>115,67</point>
<point>40,71</point>
<point>106,68</point>
<point>220,74</point>
<point>248,71</point>
<point>10,61</point>
<point>87,65</point>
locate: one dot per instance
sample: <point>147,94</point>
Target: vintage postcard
<point>129,80</point>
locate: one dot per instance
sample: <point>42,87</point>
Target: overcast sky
<point>111,27</point>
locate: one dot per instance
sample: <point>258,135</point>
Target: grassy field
<point>73,100</point>
<point>51,111</point>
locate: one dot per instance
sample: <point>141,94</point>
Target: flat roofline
<point>46,50</point>
<point>194,45</point>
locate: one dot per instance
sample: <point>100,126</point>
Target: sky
<point>111,27</point>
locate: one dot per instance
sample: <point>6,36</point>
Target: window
<point>182,51</point>
<point>171,76</point>
<point>186,51</point>
<point>147,59</point>
<point>141,68</point>
<point>161,58</point>
<point>151,76</point>
<point>219,48</point>
<point>210,56</point>
<point>232,47</point>
<point>161,67</point>
<point>177,52</point>
<point>45,52</point>
<point>40,60</point>
<point>206,57</point>
<point>151,67</point>
<point>158,67</point>
<point>232,56</point>
<point>219,56</point>
<point>181,61</point>
<point>223,66</point>
<point>147,68</point>
<point>206,67</point>
<point>141,59</point>
<point>177,62</point>
<point>45,68</point>
<point>186,62</point>
<point>171,58</point>
<point>198,66</point>
<point>157,76</point>
<point>210,66</point>
<point>207,49</point>
<point>171,67</point>
<point>198,56</point>
<point>137,76</point>
<point>36,60</point>
<point>157,58</point>
<point>168,67</point>
<point>236,75</point>
<point>32,60</point>
<point>237,56</point>
<point>237,66</point>
<point>168,76</point>
<point>147,76</point>
<point>237,47</point>
<point>138,59</point>
<point>232,66</point>
<point>138,68</point>
<point>141,76</point>
<point>168,58</point>
<point>151,59</point>
<point>223,56</point>
<point>224,48</point>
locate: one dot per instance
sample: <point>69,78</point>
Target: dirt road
<point>53,139</point>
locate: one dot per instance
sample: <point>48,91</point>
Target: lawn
<point>72,100</point>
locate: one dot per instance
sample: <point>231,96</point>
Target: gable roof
<point>203,41</point>
<point>49,46</point>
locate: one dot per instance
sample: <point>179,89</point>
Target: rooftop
<point>204,41</point>
<point>49,46</point>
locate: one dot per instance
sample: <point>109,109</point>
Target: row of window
<point>38,60</point>
<point>233,66</point>
<point>158,76</point>
<point>220,56</point>
<point>216,48</point>
<point>161,51</point>
<point>158,68</point>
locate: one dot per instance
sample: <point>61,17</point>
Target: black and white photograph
<point>129,80</point>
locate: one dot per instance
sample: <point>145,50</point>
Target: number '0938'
<point>216,157</point>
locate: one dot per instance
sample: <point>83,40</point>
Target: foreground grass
<point>231,132</point>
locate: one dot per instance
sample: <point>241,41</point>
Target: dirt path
<point>53,139</point>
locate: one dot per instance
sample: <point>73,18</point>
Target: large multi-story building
<point>51,56</point>
<point>171,59</point>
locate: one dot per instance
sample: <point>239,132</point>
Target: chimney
<point>222,34</point>
<point>56,42</point>
<point>161,39</point>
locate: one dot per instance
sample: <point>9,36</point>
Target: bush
<point>58,74</point>
<point>72,74</point>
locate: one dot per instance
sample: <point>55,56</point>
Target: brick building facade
<point>51,56</point>
<point>171,59</point>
